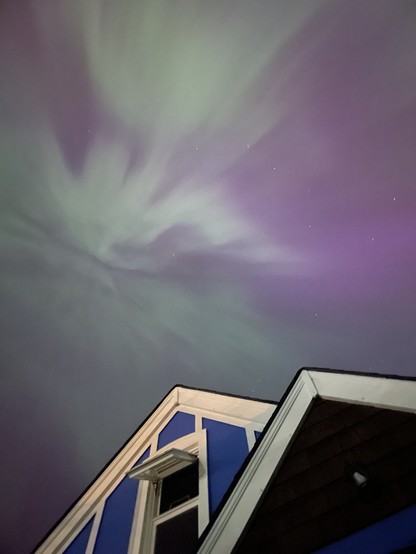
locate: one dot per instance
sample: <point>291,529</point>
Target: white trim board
<point>220,405</point>
<point>388,393</point>
<point>378,391</point>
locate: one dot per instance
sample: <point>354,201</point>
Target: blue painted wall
<point>227,449</point>
<point>257,434</point>
<point>115,527</point>
<point>180,425</point>
<point>79,544</point>
<point>384,537</point>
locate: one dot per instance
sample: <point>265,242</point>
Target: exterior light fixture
<point>367,487</point>
<point>359,479</point>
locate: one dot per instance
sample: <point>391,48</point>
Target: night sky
<point>210,193</point>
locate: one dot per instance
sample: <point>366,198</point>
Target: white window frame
<point>171,514</point>
<point>143,534</point>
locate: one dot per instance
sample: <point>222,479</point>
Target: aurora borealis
<point>208,193</point>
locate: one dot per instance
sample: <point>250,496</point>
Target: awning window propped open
<point>164,464</point>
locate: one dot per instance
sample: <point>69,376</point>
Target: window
<point>172,508</point>
<point>175,522</point>
<point>178,535</point>
<point>179,487</point>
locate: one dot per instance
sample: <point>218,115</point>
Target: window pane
<point>178,535</point>
<point>179,487</point>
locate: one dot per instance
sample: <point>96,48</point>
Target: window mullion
<point>177,511</point>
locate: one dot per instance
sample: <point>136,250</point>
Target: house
<point>330,469</point>
<point>127,510</point>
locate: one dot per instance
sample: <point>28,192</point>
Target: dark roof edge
<point>364,373</point>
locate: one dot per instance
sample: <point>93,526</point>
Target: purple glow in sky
<point>208,193</point>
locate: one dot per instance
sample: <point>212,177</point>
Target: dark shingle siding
<point>310,502</point>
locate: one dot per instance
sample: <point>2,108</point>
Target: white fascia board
<point>230,523</point>
<point>378,391</point>
<point>85,507</point>
<point>218,405</point>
